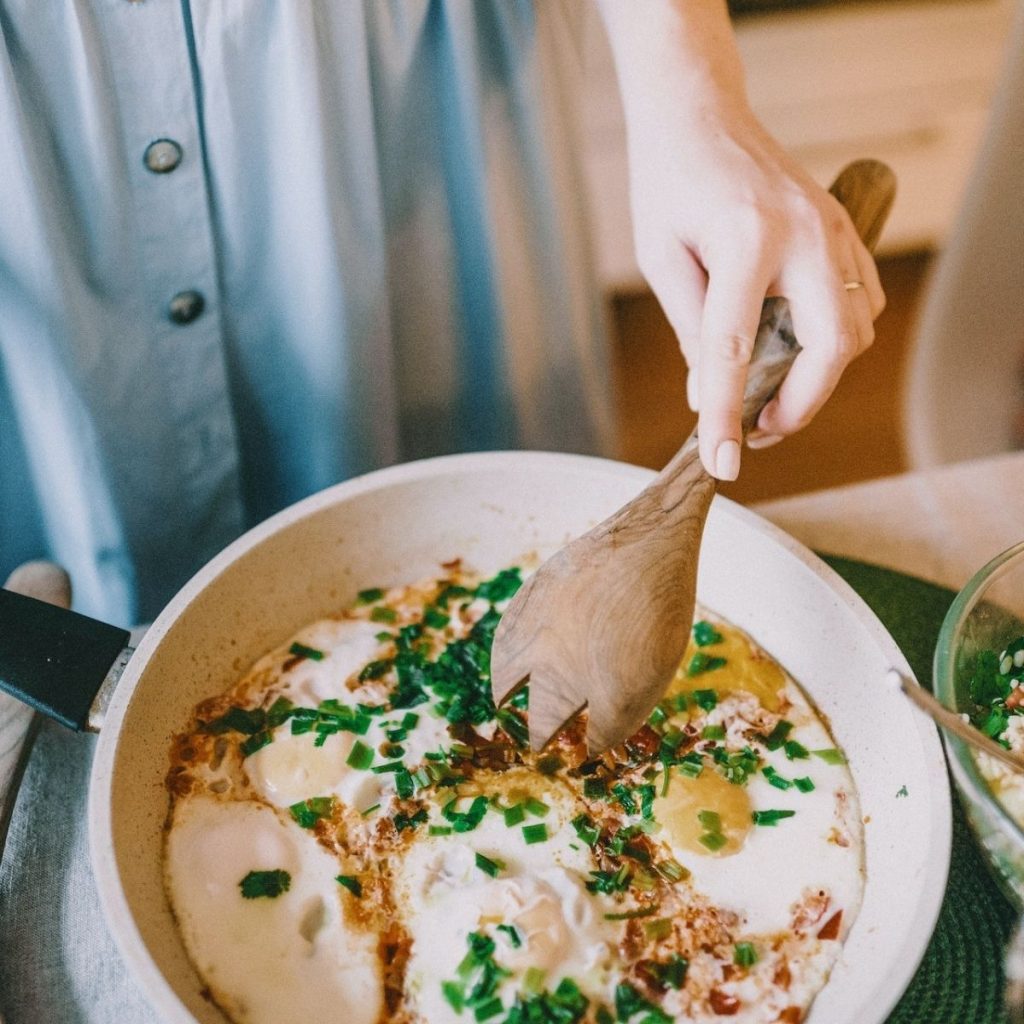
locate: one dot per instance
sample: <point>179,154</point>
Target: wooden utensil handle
<point>866,188</point>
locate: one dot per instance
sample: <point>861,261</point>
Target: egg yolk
<point>743,670</point>
<point>680,808</point>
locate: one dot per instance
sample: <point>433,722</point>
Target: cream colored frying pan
<point>399,524</point>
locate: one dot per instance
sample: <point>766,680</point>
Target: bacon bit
<point>723,1004</point>
<point>791,1015</point>
<point>728,970</point>
<point>643,744</point>
<point>810,909</point>
<point>830,929</point>
<point>782,977</point>
<point>290,663</point>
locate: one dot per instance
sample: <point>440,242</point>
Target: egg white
<point>292,958</point>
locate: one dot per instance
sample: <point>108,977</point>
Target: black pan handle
<point>55,660</point>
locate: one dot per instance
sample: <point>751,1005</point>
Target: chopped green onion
<point>375,669</point>
<point>586,829</point>
<point>435,619</point>
<point>778,735</point>
<point>632,915</point>
<point>701,663</point>
<point>533,979</point>
<point>770,817</point>
<point>713,732</point>
<point>514,815</point>
<point>455,994</point>
<point>360,756</point>
<point>775,778</point>
<point>536,807</point>
<point>369,595</point>
<point>513,935</point>
<point>672,870</point>
<point>488,866</point>
<point>711,820</point>
<point>657,716</point>
<point>255,742</point>
<point>595,789</point>
<point>535,833</point>
<point>794,750</point>
<point>302,651</point>
<point>831,756</point>
<point>370,810</point>
<point>713,840</point>
<point>805,784</point>
<point>706,699</point>
<point>485,1011</point>
<point>391,766</point>
<point>308,812</point>
<point>440,830</point>
<point>704,634</point>
<point>383,614</point>
<point>351,883</point>
<point>403,821</point>
<point>660,929</point>
<point>744,954</point>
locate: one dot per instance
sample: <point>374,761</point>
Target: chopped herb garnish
<point>549,764</point>
<point>672,870</point>
<point>449,592</point>
<point>701,663</point>
<point>794,750</point>
<point>403,821</point>
<point>629,1002</point>
<point>657,716</point>
<point>672,973</point>
<point>500,587</point>
<point>713,840</point>
<point>265,883</point>
<point>383,614</point>
<point>586,829</point>
<point>385,769</point>
<point>595,789</point>
<point>804,784</point>
<point>656,930</point>
<point>744,954</point>
<point>831,756</point>
<point>435,619</point>
<point>775,778</point>
<point>609,881</point>
<point>902,791</point>
<point>351,883</point>
<point>440,830</point>
<point>778,735</point>
<point>515,815</point>
<point>704,634</point>
<point>360,756</point>
<point>369,595</point>
<point>513,936</point>
<point>770,817</point>
<point>536,807</point>
<point>465,821</point>
<point>535,833</point>
<point>711,820</point>
<point>624,797</point>
<point>630,915</point>
<point>375,669</point>
<point>308,812</point>
<point>706,699</point>
<point>302,651</point>
<point>713,732</point>
<point>488,866</point>
<point>255,742</point>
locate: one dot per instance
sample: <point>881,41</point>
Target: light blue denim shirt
<point>249,248</point>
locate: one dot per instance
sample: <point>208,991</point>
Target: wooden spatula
<point>604,623</point>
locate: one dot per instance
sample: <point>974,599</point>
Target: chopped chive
<point>805,784</point>
<point>631,915</point>
<point>795,750</point>
<point>744,954</point>
<point>391,766</point>
<point>672,870</point>
<point>657,716</point>
<point>595,789</point>
<point>701,663</point>
<point>533,980</point>
<point>455,994</point>
<point>360,756</point>
<point>704,634</point>
<point>513,935</point>
<point>435,619</point>
<point>383,614</point>
<point>403,821</point>
<point>302,651</point>
<point>351,883</point>
<point>535,833</point>
<point>667,778</point>
<point>711,820</point>
<point>831,756</point>
<point>549,764</point>
<point>706,699</point>
<point>586,829</point>
<point>369,595</point>
<point>778,735</point>
<point>485,1011</point>
<point>770,817</point>
<point>536,807</point>
<point>384,637</point>
<point>713,732</point>
<point>410,720</point>
<point>308,812</point>
<point>514,815</point>
<point>255,742</point>
<point>775,778</point>
<point>488,866</point>
<point>370,810</point>
<point>439,830</point>
<point>713,840</point>
<point>375,669</point>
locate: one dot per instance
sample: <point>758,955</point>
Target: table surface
<point>941,525</point>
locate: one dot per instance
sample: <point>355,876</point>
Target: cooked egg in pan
<point>357,835</point>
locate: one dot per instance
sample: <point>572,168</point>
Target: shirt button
<point>162,156</point>
<point>186,306</point>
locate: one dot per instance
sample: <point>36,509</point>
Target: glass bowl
<point>985,616</point>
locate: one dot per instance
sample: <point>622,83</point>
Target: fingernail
<point>727,460</point>
<point>756,441</point>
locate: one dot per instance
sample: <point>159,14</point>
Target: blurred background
<point>924,86</point>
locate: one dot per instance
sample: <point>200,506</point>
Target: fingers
<point>732,311</point>
<point>679,282</point>
<point>834,325</point>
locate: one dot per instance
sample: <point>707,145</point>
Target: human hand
<point>722,218</point>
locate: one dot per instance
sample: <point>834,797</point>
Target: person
<point>248,249</point>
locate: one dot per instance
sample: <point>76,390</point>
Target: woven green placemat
<point>960,980</point>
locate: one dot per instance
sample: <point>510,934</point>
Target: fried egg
<point>438,872</point>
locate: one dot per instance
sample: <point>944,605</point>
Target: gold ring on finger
<point>852,286</point>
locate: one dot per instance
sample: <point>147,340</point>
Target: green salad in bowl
<point>979,671</point>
